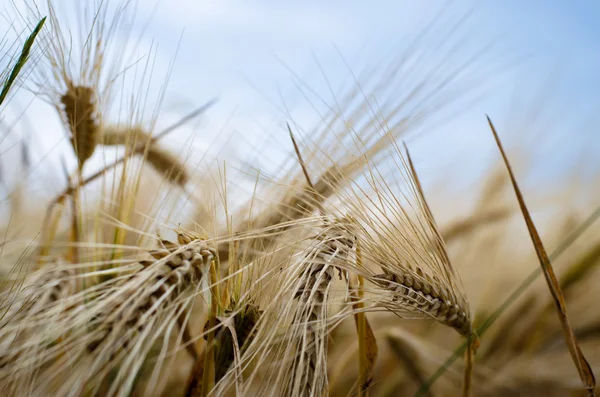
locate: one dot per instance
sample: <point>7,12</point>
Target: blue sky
<point>246,54</point>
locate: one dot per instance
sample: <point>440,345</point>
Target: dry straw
<point>583,367</point>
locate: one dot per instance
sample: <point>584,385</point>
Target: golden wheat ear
<point>308,369</point>
<point>107,335</point>
<point>153,298</point>
<point>403,240</point>
<point>40,304</point>
<point>465,324</point>
<point>583,367</point>
<point>403,253</point>
<point>343,240</point>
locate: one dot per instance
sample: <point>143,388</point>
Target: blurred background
<point>531,65</point>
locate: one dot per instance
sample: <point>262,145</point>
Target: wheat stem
<point>208,371</point>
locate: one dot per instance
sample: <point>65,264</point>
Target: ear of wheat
<point>80,113</point>
<point>404,253</point>
<point>39,300</point>
<point>254,310</point>
<point>111,325</point>
<point>425,294</point>
<point>141,143</point>
<point>73,84</point>
<point>175,270</point>
<point>399,236</point>
<point>308,372</point>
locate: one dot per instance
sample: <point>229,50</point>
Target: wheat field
<point>338,259</point>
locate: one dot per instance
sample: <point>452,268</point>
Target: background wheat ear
<point>80,112</point>
<point>72,84</point>
<point>170,166</point>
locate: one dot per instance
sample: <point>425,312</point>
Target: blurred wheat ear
<point>141,143</point>
<point>583,367</point>
<point>80,108</point>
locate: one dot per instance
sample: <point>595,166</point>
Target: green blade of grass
<point>567,242</point>
<point>21,61</point>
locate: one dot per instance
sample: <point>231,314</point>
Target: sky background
<point>533,68</point>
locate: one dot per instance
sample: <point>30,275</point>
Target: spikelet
<point>102,341</point>
<point>42,288</point>
<point>289,352</point>
<point>404,253</point>
<point>308,372</point>
<point>426,294</point>
<point>154,298</point>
